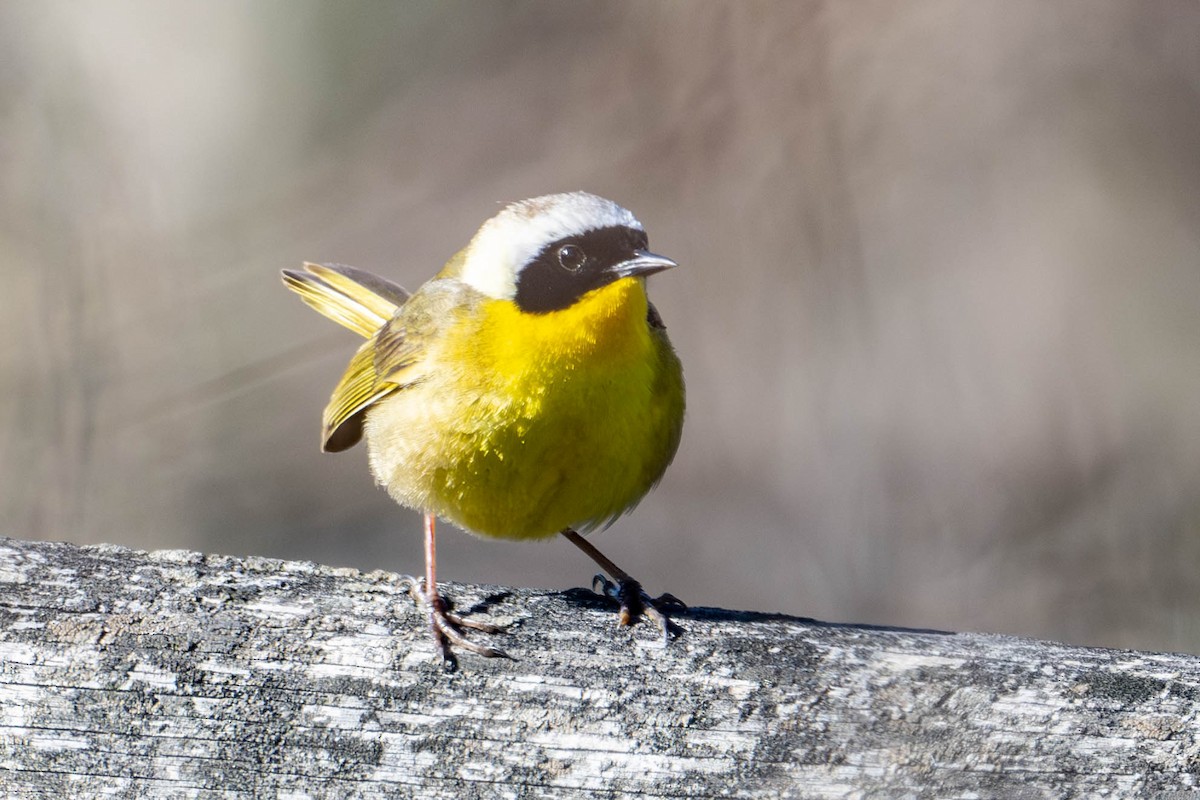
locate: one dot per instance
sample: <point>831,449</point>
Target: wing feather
<point>351,297</point>
<point>393,359</point>
<point>382,296</point>
<point>341,424</point>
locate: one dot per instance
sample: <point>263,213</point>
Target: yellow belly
<point>528,424</point>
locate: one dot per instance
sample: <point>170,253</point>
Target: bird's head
<point>547,252</point>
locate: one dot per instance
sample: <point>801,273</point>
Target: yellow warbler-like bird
<point>527,390</point>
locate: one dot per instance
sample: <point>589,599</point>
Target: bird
<point>527,390</point>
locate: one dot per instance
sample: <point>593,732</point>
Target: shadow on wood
<point>173,674</point>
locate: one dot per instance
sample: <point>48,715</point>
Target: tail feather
<point>360,301</point>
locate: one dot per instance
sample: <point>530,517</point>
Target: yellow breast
<point>531,423</point>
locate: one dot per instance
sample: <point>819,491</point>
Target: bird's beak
<point>642,264</point>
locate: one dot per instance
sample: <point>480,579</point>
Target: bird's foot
<point>447,627</point>
<point>636,603</point>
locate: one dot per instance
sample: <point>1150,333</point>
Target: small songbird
<point>527,390</point>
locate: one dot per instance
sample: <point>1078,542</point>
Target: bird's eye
<point>571,257</point>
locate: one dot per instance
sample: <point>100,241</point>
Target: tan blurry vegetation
<point>940,310</point>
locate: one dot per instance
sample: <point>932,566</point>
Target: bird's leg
<point>628,591</point>
<point>444,624</point>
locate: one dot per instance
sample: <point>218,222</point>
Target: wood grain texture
<point>173,674</point>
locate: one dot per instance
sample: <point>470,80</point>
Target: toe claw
<point>635,603</point>
<point>603,586</point>
<point>670,602</point>
<point>485,627</point>
<point>446,626</point>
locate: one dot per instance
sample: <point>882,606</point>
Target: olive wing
<point>393,359</point>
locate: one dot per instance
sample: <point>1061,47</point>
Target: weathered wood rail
<point>173,674</point>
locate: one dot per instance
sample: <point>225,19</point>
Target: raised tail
<point>352,297</point>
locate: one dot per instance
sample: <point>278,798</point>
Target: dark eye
<point>571,257</point>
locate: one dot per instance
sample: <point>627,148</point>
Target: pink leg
<point>431,558</point>
<point>445,625</point>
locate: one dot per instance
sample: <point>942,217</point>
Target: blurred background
<point>939,307</point>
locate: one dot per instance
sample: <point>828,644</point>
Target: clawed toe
<point>446,627</point>
<point>635,602</point>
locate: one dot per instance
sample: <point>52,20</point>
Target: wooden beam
<point>173,674</point>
